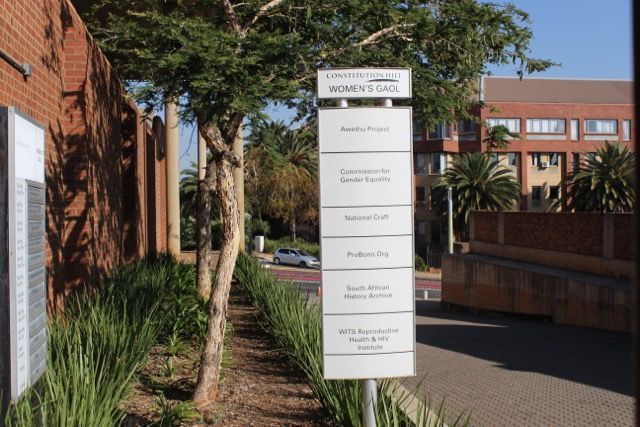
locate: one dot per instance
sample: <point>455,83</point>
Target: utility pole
<point>450,218</point>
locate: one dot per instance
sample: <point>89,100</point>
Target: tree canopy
<point>604,182</point>
<point>478,182</point>
<point>281,169</point>
<point>498,137</point>
<point>224,57</point>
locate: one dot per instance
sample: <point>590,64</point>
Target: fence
<point>433,254</point>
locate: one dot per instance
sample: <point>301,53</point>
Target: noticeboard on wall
<point>22,260</point>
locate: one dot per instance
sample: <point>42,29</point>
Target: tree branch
<point>373,38</point>
<point>232,128</point>
<point>262,12</point>
<point>231,15</point>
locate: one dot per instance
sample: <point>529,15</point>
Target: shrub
<point>296,326</point>
<point>102,338</point>
<point>421,265</point>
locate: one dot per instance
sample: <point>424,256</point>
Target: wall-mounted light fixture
<point>25,69</point>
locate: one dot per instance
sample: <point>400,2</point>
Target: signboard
<point>350,83</point>
<point>367,250</point>
<point>23,222</point>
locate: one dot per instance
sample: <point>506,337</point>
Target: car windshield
<point>303,253</point>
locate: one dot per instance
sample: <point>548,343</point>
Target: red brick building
<point>559,121</point>
<point>105,168</point>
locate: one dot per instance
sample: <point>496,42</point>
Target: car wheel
<point>303,264</point>
<point>276,261</point>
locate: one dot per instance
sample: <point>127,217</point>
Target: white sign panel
<point>366,205</point>
<point>349,83</point>
<point>26,230</point>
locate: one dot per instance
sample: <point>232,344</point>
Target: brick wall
<point>97,162</point>
<point>623,237</point>
<point>589,242</point>
<point>578,233</point>
<point>485,227</point>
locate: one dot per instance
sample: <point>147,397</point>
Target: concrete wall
<point>100,155</point>
<point>567,297</point>
<point>573,268</point>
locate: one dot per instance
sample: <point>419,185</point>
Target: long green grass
<point>296,326</point>
<point>96,345</point>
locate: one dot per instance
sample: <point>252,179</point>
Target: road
<point>311,277</point>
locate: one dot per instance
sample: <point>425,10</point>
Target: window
<point>433,202</point>
<point>511,159</point>
<point>601,126</point>
<point>419,164</point>
<point>421,228</point>
<point>421,195</point>
<point>626,130</point>
<point>436,231</point>
<point>437,163</point>
<point>535,159</point>
<point>441,131</point>
<point>575,130</point>
<point>545,125</point>
<point>536,196</point>
<point>466,126</point>
<point>417,131</point>
<point>553,159</point>
<point>576,162</point>
<point>554,192</point>
<point>512,124</point>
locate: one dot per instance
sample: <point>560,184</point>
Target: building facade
<point>559,121</point>
<point>105,168</point>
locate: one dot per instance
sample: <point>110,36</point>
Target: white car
<point>293,256</point>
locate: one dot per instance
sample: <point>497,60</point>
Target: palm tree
<point>604,182</point>
<point>478,182</point>
<point>498,137</point>
<point>281,173</point>
<point>188,205</point>
<point>189,190</point>
<point>294,192</point>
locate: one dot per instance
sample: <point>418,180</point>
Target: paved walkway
<point>516,372</point>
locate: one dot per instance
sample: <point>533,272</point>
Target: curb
<point>428,294</point>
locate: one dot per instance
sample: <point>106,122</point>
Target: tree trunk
<point>293,229</point>
<point>211,359</point>
<point>203,231</point>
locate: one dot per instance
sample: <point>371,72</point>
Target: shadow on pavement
<point>589,356</point>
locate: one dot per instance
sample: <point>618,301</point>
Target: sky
<point>589,38</point>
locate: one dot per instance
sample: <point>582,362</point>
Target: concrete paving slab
<point>515,372</point>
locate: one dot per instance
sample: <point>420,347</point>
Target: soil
<point>259,386</point>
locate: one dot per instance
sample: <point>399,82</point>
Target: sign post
<point>23,316</point>
<point>366,229</point>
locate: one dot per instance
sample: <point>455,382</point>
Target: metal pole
<point>450,218</point>
<point>369,396</point>
<point>369,388</point>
